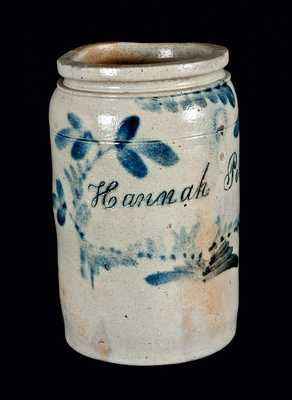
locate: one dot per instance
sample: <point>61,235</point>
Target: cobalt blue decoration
<point>128,156</point>
<point>59,203</point>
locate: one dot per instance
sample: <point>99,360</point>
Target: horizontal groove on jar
<point>145,89</point>
<point>146,140</point>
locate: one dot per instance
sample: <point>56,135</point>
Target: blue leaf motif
<point>74,121</point>
<point>61,214</point>
<point>59,203</point>
<point>171,105</point>
<point>129,158</point>
<point>151,104</point>
<point>186,102</point>
<point>127,129</point>
<point>61,138</point>
<point>78,150</point>
<point>160,278</point>
<point>60,190</point>
<point>83,258</point>
<point>211,95</point>
<point>87,136</point>
<point>236,128</point>
<point>80,147</point>
<point>83,214</point>
<point>75,182</point>
<point>221,94</point>
<point>229,93</point>
<point>199,100</point>
<point>159,152</point>
<point>132,162</point>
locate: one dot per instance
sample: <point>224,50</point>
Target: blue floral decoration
<point>129,158</point>
<point>75,180</point>
<point>222,256</point>
<point>59,203</point>
<point>219,94</point>
<point>94,258</point>
<point>82,139</point>
<point>236,129</point>
<point>81,145</point>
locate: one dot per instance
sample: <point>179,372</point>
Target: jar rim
<point>141,62</point>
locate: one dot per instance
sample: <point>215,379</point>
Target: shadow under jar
<point>145,147</point>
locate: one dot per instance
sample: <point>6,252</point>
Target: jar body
<point>146,199</point>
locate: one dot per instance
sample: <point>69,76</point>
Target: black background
<point>249,31</point>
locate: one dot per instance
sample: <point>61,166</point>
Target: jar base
<point>82,349</point>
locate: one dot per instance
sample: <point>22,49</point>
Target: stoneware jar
<point>145,141</point>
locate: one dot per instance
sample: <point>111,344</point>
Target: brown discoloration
<point>188,325</point>
<point>114,54</point>
<point>103,348</point>
<point>117,53</point>
<point>83,328</point>
<point>72,315</point>
<point>206,306</point>
<point>79,326</point>
<point>207,232</point>
<point>84,331</point>
<point>101,342</point>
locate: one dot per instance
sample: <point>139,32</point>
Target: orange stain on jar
<point>206,306</point>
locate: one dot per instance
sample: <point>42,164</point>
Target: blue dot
<point>140,254</point>
<point>162,258</point>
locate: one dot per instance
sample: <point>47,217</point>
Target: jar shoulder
<point>192,113</point>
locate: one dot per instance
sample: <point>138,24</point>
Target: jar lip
<point>140,62</point>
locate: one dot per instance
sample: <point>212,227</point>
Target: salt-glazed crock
<point>145,141</point>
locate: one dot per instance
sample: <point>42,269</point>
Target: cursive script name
<point>232,174</point>
<point>105,194</point>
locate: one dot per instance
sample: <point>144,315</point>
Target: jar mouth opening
<point>129,61</point>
